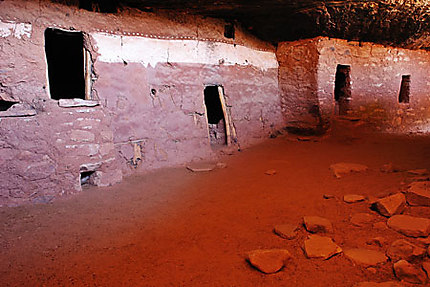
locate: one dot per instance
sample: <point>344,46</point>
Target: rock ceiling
<point>404,23</point>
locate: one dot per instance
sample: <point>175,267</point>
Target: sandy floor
<point>173,227</point>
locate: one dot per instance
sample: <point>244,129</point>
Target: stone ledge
<point>21,113</point>
<point>72,103</point>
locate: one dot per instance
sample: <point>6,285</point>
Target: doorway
<point>216,114</point>
<point>342,88</point>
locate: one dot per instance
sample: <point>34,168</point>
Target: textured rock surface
<point>343,168</point>
<point>320,247</point>
<point>352,198</point>
<point>316,224</point>
<point>418,194</point>
<point>390,205</point>
<point>287,231</point>
<point>382,284</point>
<point>268,260</point>
<point>402,249</point>
<point>361,219</point>
<point>409,225</point>
<point>409,273</point>
<point>365,257</point>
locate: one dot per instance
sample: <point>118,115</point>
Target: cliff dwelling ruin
<point>214,143</point>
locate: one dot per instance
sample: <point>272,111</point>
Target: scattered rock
<point>201,166</point>
<point>317,224</point>
<point>328,196</point>
<point>352,198</point>
<point>420,178</point>
<point>389,167</point>
<point>270,172</point>
<point>421,171</point>
<point>409,225</point>
<point>365,257</point>
<point>405,271</point>
<point>361,219</point>
<point>378,241</point>
<point>269,260</point>
<point>321,247</point>
<point>425,241</point>
<point>426,267</point>
<point>390,205</point>
<point>344,168</point>
<point>287,231</point>
<point>380,226</point>
<point>402,249</point>
<point>383,284</point>
<point>418,194</point>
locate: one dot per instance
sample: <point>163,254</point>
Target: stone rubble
<point>418,194</point>
<point>365,257</point>
<point>390,205</point>
<point>407,272</point>
<point>402,249</point>
<point>268,260</point>
<point>316,224</point>
<point>353,198</point>
<point>421,171</point>
<point>409,225</point>
<point>320,247</point>
<point>343,168</point>
<point>287,231</point>
<point>361,219</point>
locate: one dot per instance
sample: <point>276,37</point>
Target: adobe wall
<point>150,72</point>
<point>376,74</point>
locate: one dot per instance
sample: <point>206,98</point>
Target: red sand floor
<point>173,227</point>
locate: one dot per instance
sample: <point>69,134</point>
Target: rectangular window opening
<point>229,31</point>
<point>69,65</point>
<point>342,88</point>
<point>215,111</point>
<point>405,89</point>
<point>87,178</point>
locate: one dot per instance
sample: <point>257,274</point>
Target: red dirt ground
<point>173,227</point>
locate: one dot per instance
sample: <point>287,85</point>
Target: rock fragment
<point>421,171</point>
<point>201,166</point>
<point>328,196</point>
<point>353,198</point>
<point>287,231</point>
<point>365,257</point>
<point>377,241</point>
<point>426,267</point>
<point>342,168</point>
<point>390,205</point>
<point>361,219</point>
<point>320,247</point>
<point>418,193</point>
<point>270,172</point>
<point>402,249</point>
<point>389,167</point>
<point>407,272</point>
<point>380,226</point>
<point>268,260</point>
<point>316,224</point>
<point>409,225</point>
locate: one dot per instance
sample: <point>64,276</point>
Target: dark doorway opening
<point>87,178</point>
<point>229,30</point>
<point>405,89</point>
<point>5,105</point>
<point>66,68</point>
<point>342,88</point>
<point>215,115</point>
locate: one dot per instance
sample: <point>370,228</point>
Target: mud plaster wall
<point>43,149</point>
<point>376,74</point>
<point>298,82</point>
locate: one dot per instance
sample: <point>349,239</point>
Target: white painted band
<point>148,51</point>
<point>18,30</point>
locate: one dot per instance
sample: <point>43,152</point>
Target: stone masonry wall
<point>150,96</point>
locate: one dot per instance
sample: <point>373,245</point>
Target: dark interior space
<point>5,105</point>
<point>102,6</point>
<point>405,89</point>
<point>229,31</point>
<point>65,57</point>
<point>215,114</point>
<point>86,177</point>
<point>342,88</point>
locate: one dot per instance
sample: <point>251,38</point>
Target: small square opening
<point>229,31</point>
<point>87,178</point>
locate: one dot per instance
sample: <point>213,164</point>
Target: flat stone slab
<point>201,166</point>
<point>17,113</point>
<point>316,224</point>
<point>390,205</point>
<point>343,168</point>
<point>268,260</point>
<point>410,273</point>
<point>320,247</point>
<point>402,249</point>
<point>287,231</point>
<point>353,198</point>
<point>418,193</point>
<point>361,219</point>
<point>365,257</point>
<point>73,103</point>
<point>409,225</point>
